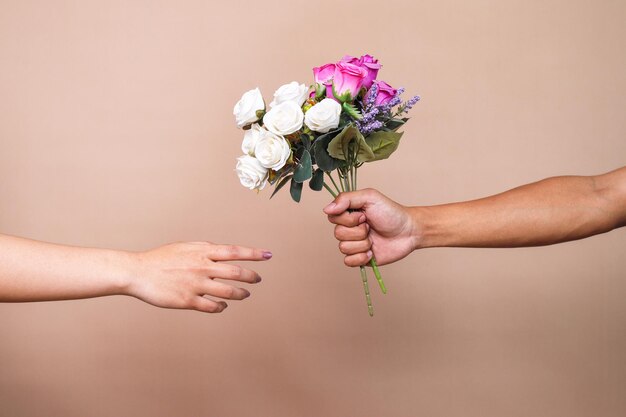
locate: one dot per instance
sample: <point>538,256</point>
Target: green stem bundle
<point>347,179</point>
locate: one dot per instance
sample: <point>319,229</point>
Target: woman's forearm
<point>38,271</point>
<point>550,211</point>
<point>178,275</point>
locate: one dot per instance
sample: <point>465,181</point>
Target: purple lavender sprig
<point>375,117</point>
<point>407,105</point>
<point>369,122</point>
<point>371,97</point>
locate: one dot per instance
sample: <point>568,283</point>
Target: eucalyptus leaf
<point>395,124</point>
<point>317,181</point>
<point>383,143</point>
<point>281,184</point>
<point>323,160</point>
<point>295,190</point>
<point>303,170</point>
<point>306,141</point>
<point>339,147</point>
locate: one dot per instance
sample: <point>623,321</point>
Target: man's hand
<point>379,227</point>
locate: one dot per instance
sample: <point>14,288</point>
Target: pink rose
<point>351,60</point>
<point>385,93</point>
<point>371,64</point>
<point>347,81</point>
<point>324,74</point>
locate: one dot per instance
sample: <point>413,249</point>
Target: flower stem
<point>333,181</point>
<point>346,182</point>
<point>341,182</point>
<point>373,263</point>
<point>368,298</point>
<point>330,190</point>
<point>379,277</point>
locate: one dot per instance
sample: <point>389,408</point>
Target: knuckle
<point>342,247</point>
<point>191,302</point>
<point>236,271</point>
<point>232,250</point>
<point>351,261</point>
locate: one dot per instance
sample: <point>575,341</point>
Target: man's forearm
<point>38,271</point>
<point>550,211</point>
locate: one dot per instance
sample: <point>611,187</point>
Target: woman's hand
<point>181,275</point>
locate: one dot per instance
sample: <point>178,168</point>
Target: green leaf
<point>296,190</point>
<point>317,182</point>
<point>383,143</point>
<point>339,147</point>
<point>395,124</point>
<point>320,91</point>
<point>281,184</point>
<point>351,111</point>
<point>306,141</point>
<point>303,170</point>
<point>323,160</point>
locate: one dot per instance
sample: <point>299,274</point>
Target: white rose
<point>290,92</point>
<point>284,118</point>
<point>251,137</point>
<point>323,116</point>
<point>245,111</point>
<point>272,151</point>
<point>252,174</point>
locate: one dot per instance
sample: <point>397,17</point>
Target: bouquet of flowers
<point>344,119</point>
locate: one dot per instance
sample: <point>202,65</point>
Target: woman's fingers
<point>233,272</point>
<point>208,306</point>
<point>353,247</point>
<point>221,290</point>
<point>237,253</point>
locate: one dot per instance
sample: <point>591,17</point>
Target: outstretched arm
<point>171,276</point>
<point>546,212</point>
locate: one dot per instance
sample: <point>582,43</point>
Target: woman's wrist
<point>123,267</point>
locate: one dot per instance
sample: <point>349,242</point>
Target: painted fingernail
<point>267,255</point>
<point>258,279</point>
<point>246,294</point>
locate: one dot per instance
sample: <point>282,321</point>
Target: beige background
<point>116,131</point>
